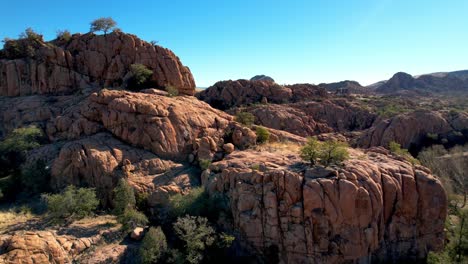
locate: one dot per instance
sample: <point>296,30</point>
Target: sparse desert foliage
<point>245,118</point>
<point>64,35</point>
<point>103,24</point>
<point>72,203</point>
<point>153,246</point>
<point>172,91</point>
<point>396,148</point>
<point>326,153</point>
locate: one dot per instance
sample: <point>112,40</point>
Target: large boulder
<point>262,77</point>
<point>375,207</point>
<point>88,61</point>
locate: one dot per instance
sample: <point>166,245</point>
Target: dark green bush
<point>245,118</point>
<point>71,204</point>
<point>153,246</point>
<point>141,77</point>
<point>263,135</point>
<point>35,177</point>
<point>124,197</point>
<point>197,236</point>
<point>24,47</point>
<point>131,219</point>
<point>311,151</point>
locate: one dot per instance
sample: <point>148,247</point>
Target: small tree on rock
<point>311,151</point>
<point>103,24</point>
<point>333,151</point>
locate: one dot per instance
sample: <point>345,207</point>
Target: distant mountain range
<point>432,82</point>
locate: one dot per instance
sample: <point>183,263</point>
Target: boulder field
<point>374,207</point>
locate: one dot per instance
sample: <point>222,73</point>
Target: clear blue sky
<point>291,40</point>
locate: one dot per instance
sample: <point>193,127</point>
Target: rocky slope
<point>409,130</point>
<point>312,117</point>
<point>91,60</point>
<point>376,207</point>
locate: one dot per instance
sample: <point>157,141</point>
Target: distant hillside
<point>437,82</point>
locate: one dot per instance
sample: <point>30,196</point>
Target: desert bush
<point>196,234</point>
<point>263,135</point>
<point>198,203</point>
<point>326,153</point>
<point>153,246</point>
<point>72,203</point>
<point>131,218</point>
<point>333,152</point>
<point>64,35</point>
<point>141,77</point>
<point>35,177</point>
<point>245,118</point>
<point>396,148</point>
<point>311,151</point>
<point>103,24</point>
<point>204,163</point>
<point>124,197</point>
<point>172,91</point>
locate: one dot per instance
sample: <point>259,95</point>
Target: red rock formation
<point>227,94</point>
<point>375,206</point>
<point>409,129</point>
<point>91,60</point>
<point>312,118</point>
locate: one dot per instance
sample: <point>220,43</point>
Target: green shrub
<point>24,47</point>
<point>192,203</point>
<point>326,153</point>
<point>141,77</point>
<point>35,177</point>
<point>153,246</point>
<point>245,118</point>
<point>204,163</point>
<point>196,234</point>
<point>131,219</point>
<point>103,24</point>
<point>21,139</point>
<point>124,197</point>
<point>333,152</point>
<point>72,203</point>
<point>263,135</point>
<point>172,91</point>
<point>396,149</point>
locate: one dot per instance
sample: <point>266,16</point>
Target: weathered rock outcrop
<point>376,207</point>
<point>88,61</point>
<point>312,118</point>
<point>33,242</point>
<point>410,129</point>
<point>345,88</point>
<point>226,94</point>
